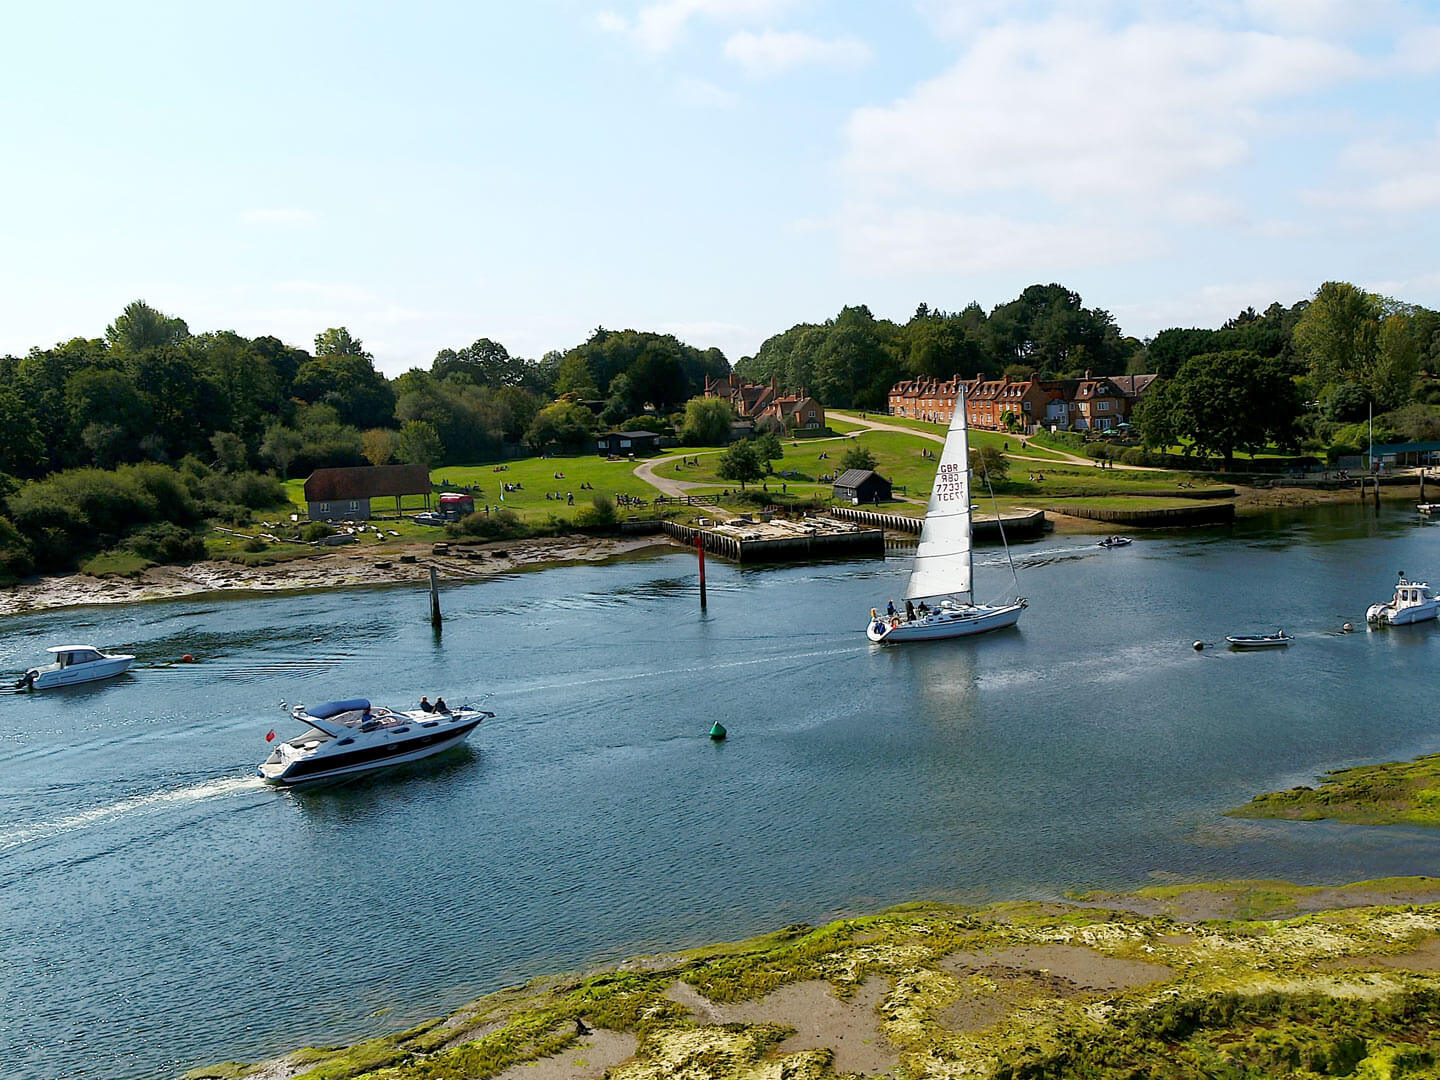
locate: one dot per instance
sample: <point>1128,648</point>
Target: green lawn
<point>998,439</point>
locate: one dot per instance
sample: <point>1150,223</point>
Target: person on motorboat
<point>440,705</point>
<point>425,705</point>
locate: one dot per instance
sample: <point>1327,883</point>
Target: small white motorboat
<point>1413,602</point>
<point>1428,508</point>
<point>74,664</point>
<point>1259,641</point>
<point>1115,541</point>
<point>349,737</point>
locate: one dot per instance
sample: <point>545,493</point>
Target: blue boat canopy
<point>335,708</point>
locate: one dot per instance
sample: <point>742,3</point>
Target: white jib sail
<point>942,561</point>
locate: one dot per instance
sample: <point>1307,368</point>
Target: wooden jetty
<point>1023,525</point>
<point>748,539</point>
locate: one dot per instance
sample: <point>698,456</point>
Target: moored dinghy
<point>939,597</point>
<point>1259,641</point>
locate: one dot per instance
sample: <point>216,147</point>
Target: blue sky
<point>431,173</point>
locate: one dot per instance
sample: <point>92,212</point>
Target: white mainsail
<point>942,561</point>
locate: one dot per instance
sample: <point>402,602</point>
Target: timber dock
<point>1024,525</point>
<point>762,539</point>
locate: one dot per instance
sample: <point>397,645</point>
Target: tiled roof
<point>367,482</point>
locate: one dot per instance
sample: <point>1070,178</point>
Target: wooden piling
<point>700,553</point>
<point>435,619</point>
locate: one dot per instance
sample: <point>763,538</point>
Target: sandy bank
<point>327,569</point>
<point>1183,980</point>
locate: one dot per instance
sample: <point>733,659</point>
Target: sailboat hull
<point>947,623</point>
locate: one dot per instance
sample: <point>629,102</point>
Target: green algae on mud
<point>1392,793</point>
<point>1106,986</point>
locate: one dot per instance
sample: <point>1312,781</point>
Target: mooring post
<point>434,599</point>
<point>700,554</point>
<point>1422,483</point>
<point>1377,496</point>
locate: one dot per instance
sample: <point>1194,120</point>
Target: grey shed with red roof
<point>345,494</point>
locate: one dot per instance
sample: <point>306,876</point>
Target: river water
<point>160,909</point>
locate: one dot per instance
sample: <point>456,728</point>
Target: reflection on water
<point>163,909</point>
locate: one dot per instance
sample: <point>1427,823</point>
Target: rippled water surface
<point>160,909</point>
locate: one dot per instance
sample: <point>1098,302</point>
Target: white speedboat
<point>74,664</point>
<point>1413,602</point>
<point>940,598</point>
<point>350,737</point>
<point>1259,641</point>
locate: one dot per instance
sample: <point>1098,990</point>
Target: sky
<point>431,173</point>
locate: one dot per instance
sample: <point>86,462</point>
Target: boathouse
<point>859,486</point>
<point>346,494</point>
<point>625,443</point>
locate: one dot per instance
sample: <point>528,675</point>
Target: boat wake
<point>209,789</point>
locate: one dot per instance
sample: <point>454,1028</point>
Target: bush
<point>491,526</point>
<point>316,530</point>
<point>15,561</point>
<point>165,542</point>
<point>600,514</point>
<point>1335,451</point>
<point>253,544</point>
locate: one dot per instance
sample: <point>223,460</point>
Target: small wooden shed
<point>625,443</point>
<point>345,494</point>
<point>860,486</point>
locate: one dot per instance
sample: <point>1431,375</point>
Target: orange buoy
<point>187,659</point>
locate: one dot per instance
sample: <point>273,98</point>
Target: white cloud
<point>658,27</point>
<point>703,94</point>
<point>1417,51</point>
<point>772,52</point>
<point>915,240</point>
<point>1074,111</point>
<point>278,216</point>
<point>612,23</point>
<point>1399,178</point>
<point>1209,305</point>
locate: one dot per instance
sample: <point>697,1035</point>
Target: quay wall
<point>1017,526</point>
<point>780,549</point>
<point>1173,517</point>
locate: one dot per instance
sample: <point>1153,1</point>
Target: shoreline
<point>341,568</point>
<point>331,569</point>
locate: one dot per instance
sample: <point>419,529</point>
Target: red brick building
<point>754,401</point>
<point>1088,404</point>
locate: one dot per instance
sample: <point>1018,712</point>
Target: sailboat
<point>940,589</point>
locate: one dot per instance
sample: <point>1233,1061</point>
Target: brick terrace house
<point>345,494</point>
<point>755,401</point>
<point>1071,404</point>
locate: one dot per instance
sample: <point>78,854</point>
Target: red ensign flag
<point>271,735</point>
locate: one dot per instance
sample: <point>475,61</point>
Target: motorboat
<point>1115,541</point>
<point>1413,602</point>
<point>939,595</point>
<point>352,736</point>
<point>1259,641</point>
<point>74,664</point>
<point>1428,508</point>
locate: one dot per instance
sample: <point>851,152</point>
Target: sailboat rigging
<point>940,595</point>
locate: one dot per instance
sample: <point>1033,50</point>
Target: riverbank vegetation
<point>223,410</point>
<point>1236,979</point>
<point>1392,793</point>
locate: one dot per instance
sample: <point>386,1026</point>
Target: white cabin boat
<point>74,664</point>
<point>940,598</point>
<point>350,737</point>
<point>1413,602</point>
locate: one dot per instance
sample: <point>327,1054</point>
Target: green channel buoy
<point>718,732</point>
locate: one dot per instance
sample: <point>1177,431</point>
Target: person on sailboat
<point>909,611</point>
<point>890,609</point>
